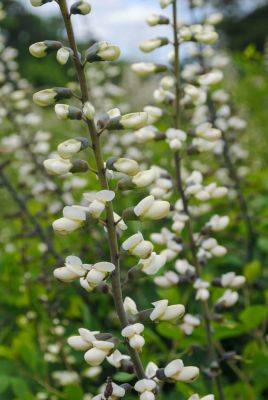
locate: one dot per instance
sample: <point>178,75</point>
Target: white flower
<point>232,280</point>
<point>206,131</point>
<point>149,45</point>
<point>124,165</point>
<point>97,354</point>
<point>196,397</point>
<point>116,358</point>
<point>153,264</point>
<point>73,218</point>
<point>97,201</point>
<point>165,3</point>
<point>146,133</point>
<point>102,51</point>
<point>228,299</point>
<point>146,388</point>
<point>211,78</point>
<point>155,19</point>
<point>96,274</point>
<point>149,208</point>
<point>151,370</point>
<point>137,246</point>
<point>145,69</point>
<point>163,312</point>
<point>84,341</point>
<point>88,110</point>
<point>133,334</point>
<point>218,223</point>
<point>202,290</point>
<point>144,178</point>
<point>65,377</point>
<point>58,166</point>
<point>167,82</point>
<point>154,113</point>
<point>63,55</point>
<point>169,279</point>
<point>176,371</point>
<point>73,269</point>
<point>69,148</point>
<point>183,267</point>
<point>130,306</point>
<point>81,7</point>
<point>134,120</point>
<point>189,323</point>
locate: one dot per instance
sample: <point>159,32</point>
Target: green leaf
<point>73,392</point>
<point>5,381</point>
<point>123,377</point>
<point>253,316</point>
<point>20,388</point>
<point>252,271</point>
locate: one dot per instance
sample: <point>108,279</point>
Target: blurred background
<point>244,27</point>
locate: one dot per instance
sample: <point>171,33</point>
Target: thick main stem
<point>111,228</point>
<point>177,161</point>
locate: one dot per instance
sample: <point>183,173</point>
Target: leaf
<point>5,381</point>
<point>20,388</point>
<point>253,316</point>
<point>252,271</point>
<point>169,331</point>
<point>123,377</point>
<point>73,392</point>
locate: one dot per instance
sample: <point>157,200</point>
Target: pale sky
<point>122,22</point>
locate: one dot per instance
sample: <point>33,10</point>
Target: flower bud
<point>41,49</point>
<point>144,178</point>
<point>63,55</point>
<point>154,114</point>
<point>188,374</point>
<point>124,165</point>
<point>102,51</point>
<point>88,111</point>
<point>149,45</point>
<point>165,3</point>
<point>149,208</point>
<point>153,264</point>
<point>57,166</point>
<point>64,111</point>
<point>155,19</point>
<point>80,7</point>
<point>63,226</point>
<point>145,69</point>
<point>134,120</point>
<point>38,3</point>
<point>70,147</point>
<point>49,97</point>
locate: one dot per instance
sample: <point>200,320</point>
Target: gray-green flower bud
<point>48,97</point>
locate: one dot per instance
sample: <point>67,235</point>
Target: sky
<point>121,22</point>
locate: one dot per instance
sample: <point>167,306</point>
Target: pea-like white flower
<point>145,69</point>
<point>38,3</point>
<point>175,137</point>
<point>88,110</point>
<point>116,392</point>
<point>84,341</point>
<point>197,397</point>
<point>214,19</point>
<point>73,269</point>
<point>206,131</point>
<point>64,112</point>
<point>130,307</point>
<point>202,289</point>
<point>116,359</point>
<point>149,45</point>
<point>99,351</point>
<point>145,134</point>
<point>134,120</point>
<point>165,3</point>
<point>146,388</point>
<point>168,280</point>
<point>228,299</point>
<point>144,178</point>
<point>149,208</point>
<point>124,165</point>
<point>58,166</point>
<point>211,78</point>
<point>97,201</point>
<point>49,97</point>
<point>207,36</point>
<point>183,267</point>
<point>155,19</point>
<point>151,265</point>
<point>218,223</point>
<point>176,371</point>
<point>167,82</point>
<point>81,7</point>
<point>41,49</point>
<point>96,274</point>
<point>163,312</point>
<point>63,55</point>
<point>133,334</point>
<point>189,323</point>
<point>137,246</point>
<point>154,114</point>
<point>102,51</point>
<point>73,218</point>
<point>70,147</point>
<point>232,280</point>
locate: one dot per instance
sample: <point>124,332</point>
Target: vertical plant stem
<point>111,228</point>
<point>177,161</point>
